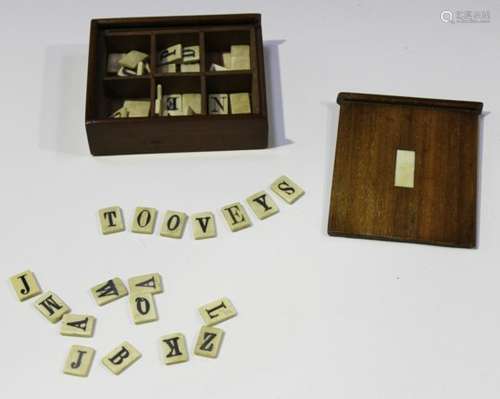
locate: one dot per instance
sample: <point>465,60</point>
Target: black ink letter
<point>81,324</point>
<point>140,218</point>
<point>234,212</point>
<point>207,344</point>
<point>107,289</point>
<point>177,222</point>
<point>261,200</point>
<point>173,344</point>
<point>111,216</point>
<point>120,356</point>
<point>50,305</point>
<point>78,363</point>
<point>26,289</point>
<point>142,305</point>
<point>204,222</point>
<point>209,311</point>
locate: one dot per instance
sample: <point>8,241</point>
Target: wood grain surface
<point>441,208</point>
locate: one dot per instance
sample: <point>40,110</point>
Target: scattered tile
<point>218,104</point>
<point>209,342</point>
<point>173,224</point>
<point>174,348</point>
<point>263,205</point>
<point>405,169</point>
<point>121,358</point>
<point>77,325</point>
<point>191,54</point>
<point>140,68</point>
<point>111,220</point>
<point>203,225</point>
<point>143,307</point>
<point>25,285</point>
<point>144,220</point>
<point>52,307</point>
<point>132,59</point>
<point>217,311</point>
<point>236,216</point>
<point>285,188</point>
<point>79,361</point>
<point>193,101</point>
<point>240,103</point>
<point>147,283</point>
<point>109,291</point>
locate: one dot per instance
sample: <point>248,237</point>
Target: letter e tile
<point>236,217</point>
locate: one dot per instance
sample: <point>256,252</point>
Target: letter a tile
<point>147,283</point>
<point>111,220</point>
<point>79,361</point>
<point>217,311</point>
<point>174,348</point>
<point>109,291</point>
<point>121,358</point>
<point>203,225</point>
<point>209,342</point>
<point>287,189</point>
<point>25,285</point>
<point>77,325</point>
<point>173,224</point>
<point>143,308</point>
<point>236,217</point>
<point>263,205</point>
<point>52,307</point>
<point>144,220</point>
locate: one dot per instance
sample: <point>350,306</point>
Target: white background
<point>319,317</point>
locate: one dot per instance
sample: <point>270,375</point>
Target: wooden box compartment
<point>155,134</point>
<point>435,202</point>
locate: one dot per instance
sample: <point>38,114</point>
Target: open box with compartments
<point>215,35</point>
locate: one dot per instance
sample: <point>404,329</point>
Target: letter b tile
<point>121,358</point>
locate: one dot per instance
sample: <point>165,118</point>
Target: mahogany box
<point>214,34</point>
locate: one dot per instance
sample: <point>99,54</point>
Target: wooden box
<point>405,170</point>
<point>155,134</point>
